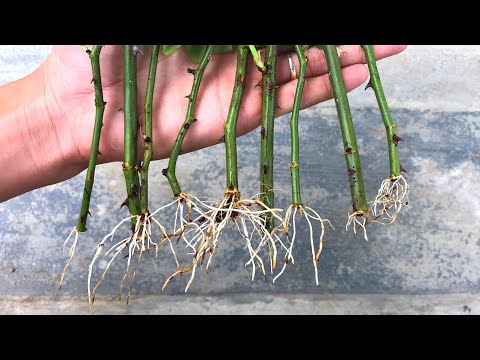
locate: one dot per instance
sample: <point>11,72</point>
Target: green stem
<point>257,59</point>
<point>232,117</point>
<point>295,143</point>
<point>169,172</point>
<point>130,130</point>
<point>267,133</point>
<point>352,156</point>
<point>148,136</point>
<point>390,125</point>
<point>94,55</point>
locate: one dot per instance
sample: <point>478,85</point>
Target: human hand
<point>47,117</point>
<point>68,74</point>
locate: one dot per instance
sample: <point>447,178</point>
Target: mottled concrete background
<point>432,249</point>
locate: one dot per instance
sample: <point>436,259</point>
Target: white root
<point>353,219</point>
<point>289,255</point>
<point>142,240</point>
<point>198,225</point>
<point>392,196</point>
<point>248,216</point>
<point>310,215</point>
<point>70,253</point>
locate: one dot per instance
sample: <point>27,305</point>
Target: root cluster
<point>392,196</point>
<point>198,227</point>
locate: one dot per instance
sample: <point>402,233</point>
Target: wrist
<point>39,152</point>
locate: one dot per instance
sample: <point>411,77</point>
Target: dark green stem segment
<point>148,135</point>
<point>94,55</point>
<point>352,156</point>
<point>390,125</point>
<point>131,130</point>
<point>232,117</point>
<point>295,139</point>
<point>169,172</point>
<point>267,131</point>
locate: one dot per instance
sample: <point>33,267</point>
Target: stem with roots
<point>295,146</point>
<point>297,205</point>
<point>97,129</point>
<point>131,130</point>
<point>169,172</point>
<point>232,117</point>
<point>352,156</point>
<point>267,132</point>
<point>393,192</point>
<point>94,55</point>
<point>147,137</point>
<point>390,126</point>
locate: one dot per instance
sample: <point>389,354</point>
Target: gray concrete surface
<point>428,262</point>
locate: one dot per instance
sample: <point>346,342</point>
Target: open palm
<point>68,68</point>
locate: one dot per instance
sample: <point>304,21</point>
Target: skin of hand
<point>48,116</point>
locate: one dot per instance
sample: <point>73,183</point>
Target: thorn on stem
<point>222,139</point>
<point>125,203</point>
<point>402,169</point>
<point>369,85</point>
<point>186,126</point>
<point>191,71</point>
<point>396,139</point>
<point>164,172</point>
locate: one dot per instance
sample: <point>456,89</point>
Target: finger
<point>317,65</point>
<point>318,89</point>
